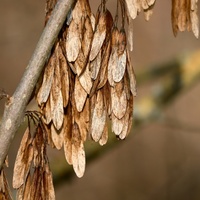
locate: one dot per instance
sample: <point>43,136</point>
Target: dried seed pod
<point>78,153</point>
<point>98,116</point>
<point>118,100</point>
<point>95,66</point>
<point>45,88</point>
<point>104,137</point>
<point>67,134</point>
<point>135,6</point>
<point>80,95</point>
<point>104,25</point>
<point>117,125</point>
<point>103,77</point>
<point>23,160</point>
<point>56,99</point>
<point>184,16</point>
<point>57,137</point>
<point>64,75</point>
<point>132,79</point>
<point>47,112</point>
<point>87,36</point>
<point>85,80</point>
<point>49,193</point>
<point>73,41</point>
<point>120,67</point>
<point>82,119</point>
<point>131,7</point>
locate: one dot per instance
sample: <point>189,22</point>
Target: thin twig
<point>14,109</point>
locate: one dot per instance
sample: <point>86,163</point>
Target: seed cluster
<point>87,80</point>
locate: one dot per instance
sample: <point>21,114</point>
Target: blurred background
<point>160,159</point>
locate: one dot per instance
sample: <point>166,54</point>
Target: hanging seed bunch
<point>88,80</point>
<point>32,176</point>
<point>184,16</point>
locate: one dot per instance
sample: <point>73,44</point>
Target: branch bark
<point>15,107</point>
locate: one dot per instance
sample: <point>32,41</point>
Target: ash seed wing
<point>104,66</point>
<point>119,103</point>
<point>87,37</point>
<point>117,124</point>
<point>95,66</point>
<point>56,100</point>
<point>104,137</point>
<point>73,42</point>
<point>131,7</point>
<point>85,80</point>
<point>99,37</point>
<point>131,75</point>
<point>45,88</point>
<point>98,118</point>
<point>23,160</point>
<point>78,153</point>
<point>64,78</point>
<point>120,67</point>
<point>57,137</point>
<point>80,95</point>
<point>67,134</point>
<point>111,66</point>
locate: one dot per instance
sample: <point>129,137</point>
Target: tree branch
<point>15,107</point>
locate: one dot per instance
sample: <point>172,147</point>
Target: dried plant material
<point>104,137</point>
<point>82,119</point>
<point>67,135</point>
<point>131,74</point>
<point>99,35</point>
<point>45,88</point>
<point>130,33</point>
<point>73,41</point>
<point>23,160</point>
<point>49,193</point>
<point>118,100</point>
<point>47,112</point>
<point>95,66</point>
<point>91,78</point>
<point>36,184</point>
<point>56,99</point>
<point>78,153</point>
<point>120,67</point>
<point>57,137</point>
<point>103,77</point>
<point>64,75</point>
<point>87,37</point>
<point>132,8</point>
<point>194,18</point>
<point>5,193</point>
<point>80,95</point>
<point>98,117</point>
<point>184,16</point>
<point>135,6</point>
<point>85,80</point>
<point>117,125</point>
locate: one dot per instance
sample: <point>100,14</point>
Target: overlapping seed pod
<point>184,16</point>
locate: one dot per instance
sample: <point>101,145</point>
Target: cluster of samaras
<point>89,77</point>
<point>87,80</point>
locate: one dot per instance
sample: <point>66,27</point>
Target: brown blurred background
<point>157,161</point>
